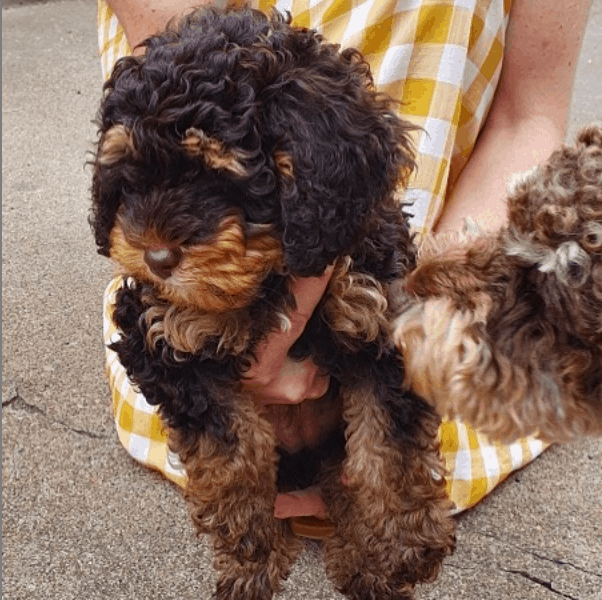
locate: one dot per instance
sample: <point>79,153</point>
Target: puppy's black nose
<point>162,260</point>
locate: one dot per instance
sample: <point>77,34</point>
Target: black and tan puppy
<point>238,152</point>
<point>505,330</point>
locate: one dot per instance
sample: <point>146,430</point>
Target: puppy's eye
<point>592,239</point>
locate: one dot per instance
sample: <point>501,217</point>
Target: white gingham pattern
<point>442,59</point>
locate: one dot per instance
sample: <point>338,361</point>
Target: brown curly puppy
<point>505,330</point>
<point>238,152</point>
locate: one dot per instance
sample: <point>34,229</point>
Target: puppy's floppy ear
<point>116,143</point>
<point>344,153</point>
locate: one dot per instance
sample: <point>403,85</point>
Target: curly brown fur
<point>505,330</point>
<point>238,152</point>
<point>231,495</point>
<point>388,537</point>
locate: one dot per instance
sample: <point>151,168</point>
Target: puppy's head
<point>555,210</point>
<point>555,228</point>
<point>240,146</point>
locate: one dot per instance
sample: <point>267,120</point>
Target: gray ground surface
<point>80,518</point>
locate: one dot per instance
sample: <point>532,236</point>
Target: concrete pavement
<point>81,520</point>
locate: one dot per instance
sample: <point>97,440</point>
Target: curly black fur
<point>265,88</point>
<point>257,86</point>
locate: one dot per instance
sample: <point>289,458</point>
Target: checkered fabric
<point>442,60</point>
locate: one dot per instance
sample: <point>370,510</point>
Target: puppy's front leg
<point>230,495</point>
<point>392,516</point>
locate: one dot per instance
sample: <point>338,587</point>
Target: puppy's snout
<point>162,260</point>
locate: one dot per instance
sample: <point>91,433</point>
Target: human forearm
<point>503,149</point>
<point>142,18</point>
<point>528,117</point>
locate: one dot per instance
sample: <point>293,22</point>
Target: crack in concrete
<point>563,563</point>
<point>542,582</point>
<point>18,403</point>
<point>555,561</point>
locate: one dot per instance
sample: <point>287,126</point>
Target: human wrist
<point>506,146</point>
<point>141,19</point>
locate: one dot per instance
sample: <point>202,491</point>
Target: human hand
<point>277,379</point>
<point>300,503</point>
<point>289,391</point>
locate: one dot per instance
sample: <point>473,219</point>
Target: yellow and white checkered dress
<point>442,60</point>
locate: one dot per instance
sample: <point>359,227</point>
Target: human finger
<point>271,354</point>
<point>300,503</point>
<point>296,382</point>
